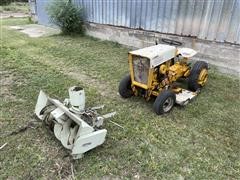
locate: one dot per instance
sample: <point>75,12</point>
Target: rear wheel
<point>198,76</point>
<point>125,89</point>
<point>164,102</point>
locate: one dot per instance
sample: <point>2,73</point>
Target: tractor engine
<point>178,70</point>
<point>170,73</point>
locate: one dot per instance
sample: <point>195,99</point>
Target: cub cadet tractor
<point>157,71</point>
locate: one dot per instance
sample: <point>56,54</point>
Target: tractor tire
<point>164,102</point>
<point>193,79</point>
<point>125,89</point>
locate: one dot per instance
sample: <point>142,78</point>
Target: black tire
<point>194,74</point>
<point>160,102</point>
<point>125,89</point>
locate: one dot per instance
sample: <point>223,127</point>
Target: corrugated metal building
<point>215,20</point>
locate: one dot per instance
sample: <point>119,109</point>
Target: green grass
<point>200,141</point>
<point>16,7</point>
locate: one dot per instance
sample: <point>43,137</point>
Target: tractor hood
<point>161,53</point>
<point>157,54</point>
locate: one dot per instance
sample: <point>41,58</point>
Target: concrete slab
<point>35,30</point>
<point>4,15</point>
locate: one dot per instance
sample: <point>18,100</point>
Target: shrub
<point>4,2</point>
<point>68,17</point>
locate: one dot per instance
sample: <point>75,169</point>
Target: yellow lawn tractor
<point>157,71</point>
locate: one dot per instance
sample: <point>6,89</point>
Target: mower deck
<point>184,97</point>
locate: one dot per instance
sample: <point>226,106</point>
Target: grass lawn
<point>200,141</point>
<point>16,7</point>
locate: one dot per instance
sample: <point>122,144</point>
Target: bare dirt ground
<point>6,80</point>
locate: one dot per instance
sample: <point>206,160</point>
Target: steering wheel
<point>171,42</point>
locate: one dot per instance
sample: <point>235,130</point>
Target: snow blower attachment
<point>78,128</point>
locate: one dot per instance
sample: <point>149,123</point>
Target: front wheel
<point>164,102</point>
<point>125,89</point>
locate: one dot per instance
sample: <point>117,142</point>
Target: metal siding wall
<point>233,32</point>
<point>43,18</point>
<point>225,19</point>
<point>216,20</point>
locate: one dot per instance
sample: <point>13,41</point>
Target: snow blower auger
<point>78,128</point>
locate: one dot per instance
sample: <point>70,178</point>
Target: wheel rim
<point>168,104</point>
<point>203,76</point>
